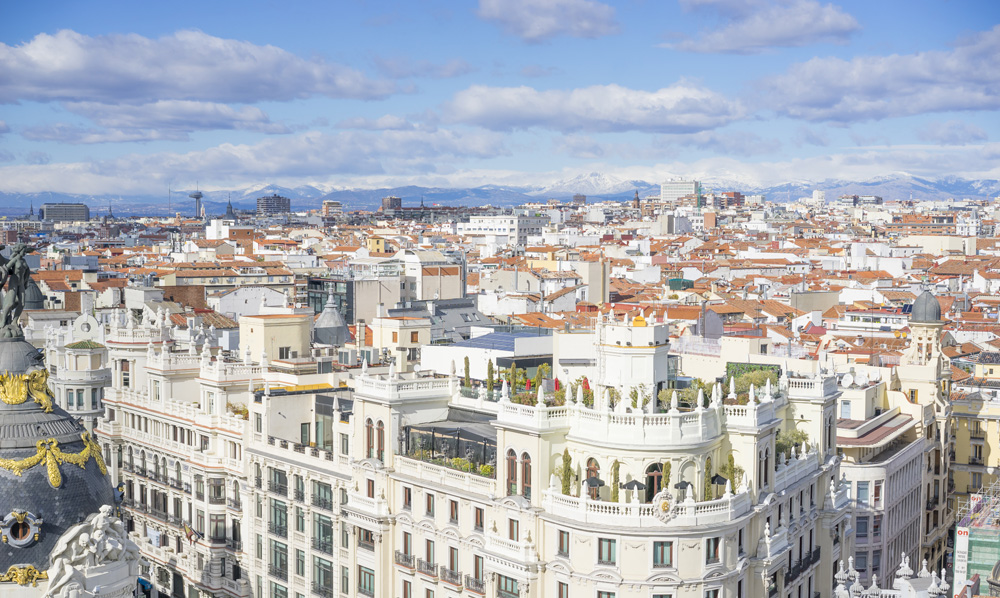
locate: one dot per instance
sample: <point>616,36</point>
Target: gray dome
<point>18,356</point>
<point>926,309</point>
<point>60,495</point>
<point>33,297</point>
<point>330,327</point>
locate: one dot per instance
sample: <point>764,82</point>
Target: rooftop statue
<point>14,274</point>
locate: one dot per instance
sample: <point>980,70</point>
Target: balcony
<point>477,586</point>
<point>977,434</point>
<point>403,559</point>
<point>277,487</point>
<point>366,591</point>
<point>324,546</point>
<point>323,503</point>
<point>175,483</point>
<point>932,503</point>
<point>277,530</point>
<point>277,572</point>
<point>972,489</point>
<point>452,577</point>
<point>366,544</point>
<point>427,568</point>
<point>235,505</point>
<point>216,500</point>
<point>322,591</point>
<point>234,545</point>
<point>300,495</point>
<point>975,460</point>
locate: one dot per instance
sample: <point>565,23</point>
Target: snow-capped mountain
<point>594,183</point>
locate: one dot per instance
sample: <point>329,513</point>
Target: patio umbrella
<point>718,480</point>
<point>595,482</point>
<point>682,485</point>
<point>633,485</point>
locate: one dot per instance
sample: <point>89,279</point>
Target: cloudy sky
<point>130,97</point>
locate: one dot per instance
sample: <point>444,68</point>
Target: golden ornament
<point>24,575</point>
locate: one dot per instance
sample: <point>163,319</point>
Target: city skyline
<point>131,99</point>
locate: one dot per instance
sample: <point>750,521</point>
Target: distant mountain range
<point>595,186</point>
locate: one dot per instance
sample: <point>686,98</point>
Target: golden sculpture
<point>16,388</point>
<point>24,575</point>
<point>53,456</point>
<point>38,388</point>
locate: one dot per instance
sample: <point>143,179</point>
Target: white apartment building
<point>397,485</point>
<point>78,368</point>
<point>883,465</point>
<point>671,191</point>
<point>515,227</point>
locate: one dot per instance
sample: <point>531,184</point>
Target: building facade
<point>273,204</point>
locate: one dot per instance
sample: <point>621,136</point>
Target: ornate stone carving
<point>20,529</point>
<point>100,540</point>
<point>664,505</point>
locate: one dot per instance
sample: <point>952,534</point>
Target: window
<point>428,593</point>
<point>480,518</point>
<point>511,473</point>
<point>712,593</point>
<point>861,525</point>
<point>345,444</point>
<point>593,471</point>
<point>369,438</point>
<point>453,559</point>
<point>563,590</point>
<point>300,563</point>
<point>407,589</point>
<point>477,568</point>
<point>877,526</point>
<point>563,544</point>
<point>407,543</point>
<point>322,571</point>
<point>663,554</point>
<point>506,587</point>
<point>395,336</point>
<point>526,475</point>
<point>453,511</point>
<point>845,410</point>
<point>512,529</point>
<point>429,551</point>
<point>602,594</point>
<point>430,505</point>
<point>380,442</point>
<point>407,497</point>
<point>371,488</point>
<point>876,562</point>
<point>284,352</point>
<point>861,562</point>
<point>712,550</point>
<point>366,581</point>
<point>606,552</point>
<point>863,493</point>
<point>345,580</point>
<point>414,337</point>
<point>279,558</point>
<point>300,519</point>
<point>877,494</point>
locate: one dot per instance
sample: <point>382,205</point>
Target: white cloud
<point>952,132</point>
<point>305,156</point>
<point>4,128</point>
<point>729,143</point>
<point>680,108</point>
<point>73,134</point>
<point>755,26</point>
<point>188,65</point>
<point>808,136</point>
<point>539,20</point>
<point>876,87</point>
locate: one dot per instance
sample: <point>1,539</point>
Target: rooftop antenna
<point>196,196</point>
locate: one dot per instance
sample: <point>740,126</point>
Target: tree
<point>666,475</point>
<point>468,379</point>
<point>731,471</point>
<point>709,495</point>
<point>785,440</point>
<point>566,472</point>
<point>489,375</point>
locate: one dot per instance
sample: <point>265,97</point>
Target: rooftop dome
<point>926,309</point>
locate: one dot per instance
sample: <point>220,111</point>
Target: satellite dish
<point>861,378</point>
<point>876,375</point>
<point>847,380</point>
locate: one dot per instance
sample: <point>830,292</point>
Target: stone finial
<point>753,398</point>
<point>579,394</point>
<point>673,402</point>
<point>732,387</point>
<point>924,572</point>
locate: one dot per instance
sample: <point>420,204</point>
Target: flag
<point>192,534</point>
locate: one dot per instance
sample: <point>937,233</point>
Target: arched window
<point>142,463</point>
<point>177,472</point>
<point>511,472</point>
<point>119,454</point>
<point>593,471</point>
<point>381,441</point>
<point>654,480</point>
<point>369,438</point>
<point>526,475</point>
<point>131,459</point>
<point>767,464</point>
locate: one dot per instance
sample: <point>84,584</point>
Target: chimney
<point>362,333</point>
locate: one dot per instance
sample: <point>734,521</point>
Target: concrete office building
<point>65,212</point>
<point>273,204</point>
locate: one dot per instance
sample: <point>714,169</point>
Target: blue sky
<point>130,97</point>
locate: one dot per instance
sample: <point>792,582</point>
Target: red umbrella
<point>557,383</point>
<point>586,384</point>
<point>527,384</point>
